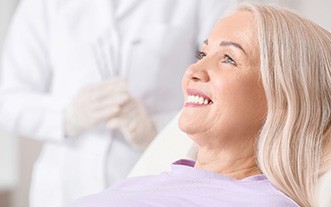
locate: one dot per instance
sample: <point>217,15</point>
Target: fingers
<point>126,126</point>
<point>127,118</point>
<point>112,101</point>
<point>106,114</point>
<point>104,95</point>
<point>97,103</point>
<point>135,125</point>
<point>114,123</point>
<point>107,88</point>
<point>115,107</point>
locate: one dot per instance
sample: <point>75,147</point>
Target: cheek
<point>253,105</point>
<point>243,99</point>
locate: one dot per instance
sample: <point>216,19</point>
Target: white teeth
<point>201,100</point>
<point>197,100</point>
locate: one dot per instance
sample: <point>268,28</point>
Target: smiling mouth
<point>196,99</point>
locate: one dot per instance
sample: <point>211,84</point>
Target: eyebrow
<point>228,43</point>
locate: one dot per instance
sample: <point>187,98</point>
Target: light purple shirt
<point>190,187</point>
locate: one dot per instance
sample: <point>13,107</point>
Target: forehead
<point>239,27</point>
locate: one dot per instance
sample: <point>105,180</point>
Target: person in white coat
<point>91,80</point>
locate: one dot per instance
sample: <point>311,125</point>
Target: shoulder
<point>273,197</point>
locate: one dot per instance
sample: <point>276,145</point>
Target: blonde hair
<point>295,64</point>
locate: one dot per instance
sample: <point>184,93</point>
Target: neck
<point>237,164</point>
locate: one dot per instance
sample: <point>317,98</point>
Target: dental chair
<point>172,144</point>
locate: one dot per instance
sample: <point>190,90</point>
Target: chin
<point>186,123</point>
<point>182,122</point>
<point>190,129</point>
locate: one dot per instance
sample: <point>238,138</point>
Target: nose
<point>197,72</point>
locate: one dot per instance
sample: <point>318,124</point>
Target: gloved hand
<point>94,105</point>
<point>135,124</point>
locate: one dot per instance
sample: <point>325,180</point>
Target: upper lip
<point>196,92</point>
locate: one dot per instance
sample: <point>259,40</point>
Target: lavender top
<point>190,187</point>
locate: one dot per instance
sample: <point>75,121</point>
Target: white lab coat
<point>48,56</point>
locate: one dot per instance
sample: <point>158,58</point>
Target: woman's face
<point>224,98</point>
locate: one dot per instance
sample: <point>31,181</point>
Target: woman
<point>258,105</point>
<point>75,75</point>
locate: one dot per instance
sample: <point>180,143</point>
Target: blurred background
<point>17,154</point>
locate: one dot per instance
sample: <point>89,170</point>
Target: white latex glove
<point>94,105</point>
<point>135,124</point>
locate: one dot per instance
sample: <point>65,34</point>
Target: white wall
<point>8,144</point>
<point>6,9</point>
<point>28,152</point>
<point>16,155</point>
<point>318,11</point>
<point>8,162</point>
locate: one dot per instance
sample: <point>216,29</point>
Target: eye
<point>200,55</point>
<point>227,59</point>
